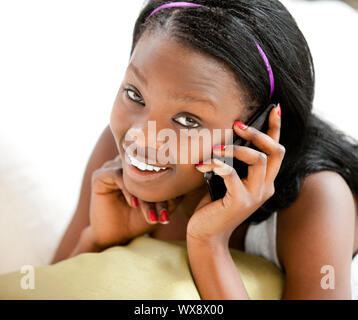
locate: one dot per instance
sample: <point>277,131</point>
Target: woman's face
<point>168,86</point>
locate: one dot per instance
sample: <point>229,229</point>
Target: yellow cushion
<point>146,268</point>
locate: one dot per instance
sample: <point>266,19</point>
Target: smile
<point>143,166</point>
<point>141,172</point>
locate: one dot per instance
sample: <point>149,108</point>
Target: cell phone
<point>216,183</point>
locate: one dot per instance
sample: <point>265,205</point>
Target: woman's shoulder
<point>324,209</point>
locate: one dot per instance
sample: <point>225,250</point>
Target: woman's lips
<point>143,176</point>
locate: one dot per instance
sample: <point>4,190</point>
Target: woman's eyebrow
<point>192,99</point>
<point>186,98</point>
<point>138,74</point>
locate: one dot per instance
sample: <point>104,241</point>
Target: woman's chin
<point>149,197</point>
<point>146,193</point>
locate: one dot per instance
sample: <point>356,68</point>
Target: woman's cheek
<point>120,116</point>
<point>190,150</point>
<point>187,179</point>
<point>193,150</point>
<point>115,121</point>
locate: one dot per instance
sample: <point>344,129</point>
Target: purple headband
<point>189,4</point>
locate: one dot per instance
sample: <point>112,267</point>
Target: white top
<point>260,240</point>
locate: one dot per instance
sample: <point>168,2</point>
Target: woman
<point>238,56</point>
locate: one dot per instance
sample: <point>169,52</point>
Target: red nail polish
<point>240,125</point>
<point>279,110</point>
<point>135,202</point>
<point>219,147</point>
<point>153,216</point>
<point>199,164</point>
<point>164,216</point>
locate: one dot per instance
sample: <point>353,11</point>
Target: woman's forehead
<point>157,58</point>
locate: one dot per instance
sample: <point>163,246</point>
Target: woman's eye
<point>133,96</point>
<point>187,122</point>
<point>183,120</point>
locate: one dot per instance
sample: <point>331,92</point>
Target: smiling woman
<point>207,66</point>
<point>176,94</point>
<point>162,83</point>
<point>225,75</point>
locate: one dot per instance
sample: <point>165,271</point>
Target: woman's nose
<point>151,134</point>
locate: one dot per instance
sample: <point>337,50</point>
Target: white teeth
<point>143,166</point>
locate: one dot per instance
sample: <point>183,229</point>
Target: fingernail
<point>164,216</point>
<point>219,147</point>
<point>240,125</point>
<point>279,110</point>
<point>135,202</point>
<point>199,164</point>
<point>153,216</point>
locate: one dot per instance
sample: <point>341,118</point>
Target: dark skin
<point>157,61</point>
<point>167,75</point>
<point>310,232</point>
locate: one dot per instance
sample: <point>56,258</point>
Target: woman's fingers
<point>152,212</point>
<point>162,210</point>
<point>232,181</point>
<point>132,201</point>
<point>268,143</point>
<point>256,160</point>
<point>108,179</point>
<point>149,211</point>
<point>274,129</point>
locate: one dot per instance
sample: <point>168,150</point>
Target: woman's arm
<point>214,271</point>
<point>85,243</point>
<point>104,150</point>
<point>316,235</point>
<point>315,239</point>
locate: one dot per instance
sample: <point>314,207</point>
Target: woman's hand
<point>115,215</point>
<point>215,221</point>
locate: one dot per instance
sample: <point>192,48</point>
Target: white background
<point>61,64</point>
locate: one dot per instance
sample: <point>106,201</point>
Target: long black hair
<point>226,30</point>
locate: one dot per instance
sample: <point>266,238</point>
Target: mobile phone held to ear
<point>216,183</point>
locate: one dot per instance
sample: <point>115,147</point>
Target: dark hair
<point>226,30</point>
